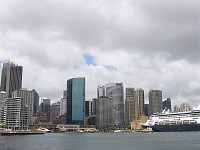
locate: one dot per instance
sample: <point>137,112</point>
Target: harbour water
<point>103,141</point>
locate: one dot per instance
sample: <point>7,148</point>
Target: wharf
<point>19,132</point>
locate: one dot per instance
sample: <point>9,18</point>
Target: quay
<point>19,132</point>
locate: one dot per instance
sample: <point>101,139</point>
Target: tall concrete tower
<point>115,91</point>
<point>155,101</point>
<point>11,78</point>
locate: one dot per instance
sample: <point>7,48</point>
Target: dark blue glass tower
<point>75,100</point>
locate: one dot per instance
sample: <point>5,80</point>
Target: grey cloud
<point>148,26</point>
<point>145,40</point>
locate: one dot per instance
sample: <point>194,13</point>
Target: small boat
<point>147,130</point>
<point>80,131</point>
<point>117,131</point>
<point>45,130</point>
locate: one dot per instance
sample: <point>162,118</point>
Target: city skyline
<point>151,45</point>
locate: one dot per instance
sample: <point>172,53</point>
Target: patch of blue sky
<point>111,68</point>
<point>89,59</point>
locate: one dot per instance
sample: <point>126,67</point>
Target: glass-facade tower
<point>75,100</point>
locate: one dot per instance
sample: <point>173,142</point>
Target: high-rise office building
<point>167,104</point>
<point>94,106</point>
<point>131,110</point>
<point>88,108</point>
<point>140,100</point>
<point>11,78</point>
<point>115,91</point>
<point>146,109</point>
<point>35,102</point>
<point>46,107</point>
<point>155,101</point>
<point>130,92</point>
<point>100,91</point>
<point>63,103</point>
<point>104,111</point>
<point>27,100</point>
<point>55,111</point>
<point>76,100</point>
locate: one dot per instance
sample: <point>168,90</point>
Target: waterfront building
<point>76,100</point>
<point>184,107</point>
<point>167,104</point>
<point>155,101</point>
<point>131,110</point>
<point>45,108</point>
<point>130,92</point>
<point>100,91</point>
<point>63,103</point>
<point>104,111</point>
<point>11,78</point>
<point>17,118</point>
<point>115,91</point>
<point>27,100</point>
<point>55,111</point>
<point>3,96</point>
<point>140,100</point>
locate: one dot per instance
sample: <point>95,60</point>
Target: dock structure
<point>75,128</point>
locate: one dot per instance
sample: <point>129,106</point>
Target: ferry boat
<point>171,122</point>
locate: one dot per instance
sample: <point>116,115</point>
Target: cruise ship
<point>171,122</point>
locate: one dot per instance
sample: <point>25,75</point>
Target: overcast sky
<point>149,44</point>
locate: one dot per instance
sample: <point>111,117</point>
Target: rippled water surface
<point>103,141</point>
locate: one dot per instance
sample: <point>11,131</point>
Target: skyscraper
<point>130,92</point>
<point>167,104</point>
<point>140,100</point>
<point>94,100</point>
<point>131,110</point>
<point>88,108</point>
<point>104,111</point>
<point>35,102</point>
<point>55,111</point>
<point>11,78</point>
<point>63,103</point>
<point>155,101</point>
<point>76,100</point>
<point>115,91</point>
<point>46,107</point>
<point>100,91</point>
